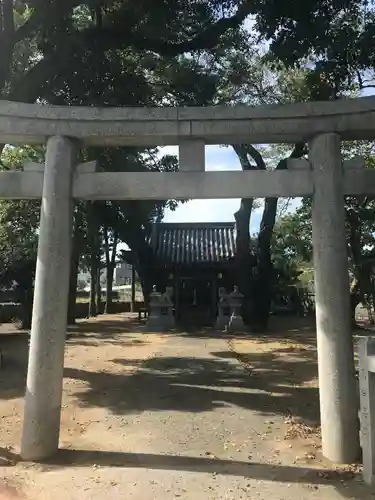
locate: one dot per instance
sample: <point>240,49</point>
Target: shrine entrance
<point>325,176</point>
<point>196,304</point>
<point>195,259</point>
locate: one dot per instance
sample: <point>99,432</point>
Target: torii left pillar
<point>41,426</point>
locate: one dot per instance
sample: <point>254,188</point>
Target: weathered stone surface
<point>192,156</point>
<point>185,185</point>
<point>82,168</point>
<point>236,323</point>
<point>181,185</point>
<point>298,164</point>
<point>33,123</point>
<point>41,427</point>
<point>160,312</point>
<point>21,185</point>
<point>222,319</point>
<point>356,162</point>
<point>337,385</point>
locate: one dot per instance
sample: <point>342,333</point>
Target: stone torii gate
<point>323,177</point>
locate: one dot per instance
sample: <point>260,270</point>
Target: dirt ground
<point>198,415</point>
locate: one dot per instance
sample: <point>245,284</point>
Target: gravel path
<point>170,417</point>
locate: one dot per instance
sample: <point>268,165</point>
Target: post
<point>132,305</point>
<point>41,424</point>
<point>337,385</point>
<point>192,155</point>
<point>366,354</point>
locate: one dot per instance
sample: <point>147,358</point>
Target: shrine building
<point>196,259</point>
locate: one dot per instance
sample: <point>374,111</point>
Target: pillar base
<point>236,324</point>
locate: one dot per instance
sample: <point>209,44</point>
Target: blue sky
<point>217,158</point>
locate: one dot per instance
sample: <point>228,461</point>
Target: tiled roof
<point>188,243</point>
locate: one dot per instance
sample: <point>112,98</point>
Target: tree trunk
<point>146,277</point>
<point>92,231</point>
<point>98,291</point>
<point>110,261</point>
<point>244,257</point>
<point>354,301</point>
<point>76,255</point>
<point>27,308</point>
<point>94,277</point>
<point>264,275</point>
<point>132,305</point>
<point>73,289</point>
<point>355,250</point>
<point>108,293</point>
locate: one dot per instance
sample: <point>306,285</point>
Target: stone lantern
<point>161,311</point>
<point>235,303</point>
<point>223,305</point>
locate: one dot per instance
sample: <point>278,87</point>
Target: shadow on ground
<point>267,385</point>
<point>341,481</point>
<point>189,384</point>
<point>271,381</point>
<point>14,347</point>
<point>103,327</point>
<point>283,361</point>
<point>178,383</point>
<point>15,351</point>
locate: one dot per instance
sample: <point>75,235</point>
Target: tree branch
<point>118,37</point>
<point>270,206</point>
<point>114,248</point>
<point>6,41</point>
<point>242,150</point>
<point>369,86</point>
<point>299,150</point>
<point>29,27</point>
<point>8,20</point>
<point>27,88</point>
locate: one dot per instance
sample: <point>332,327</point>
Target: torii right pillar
<point>338,391</point>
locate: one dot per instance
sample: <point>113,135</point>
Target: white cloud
<point>218,158</point>
<point>168,150</point>
<point>204,211</point>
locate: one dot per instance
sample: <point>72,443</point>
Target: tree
<point>110,251</point>
<point>19,223</point>
<point>333,39</point>
<point>73,40</point>
<point>99,53</point>
<point>257,286</point>
<point>241,75</point>
<point>360,230</point>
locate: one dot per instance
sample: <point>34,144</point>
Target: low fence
<point>10,312</point>
<point>293,300</point>
<point>122,295</point>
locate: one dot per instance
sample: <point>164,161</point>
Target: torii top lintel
<point>353,119</point>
